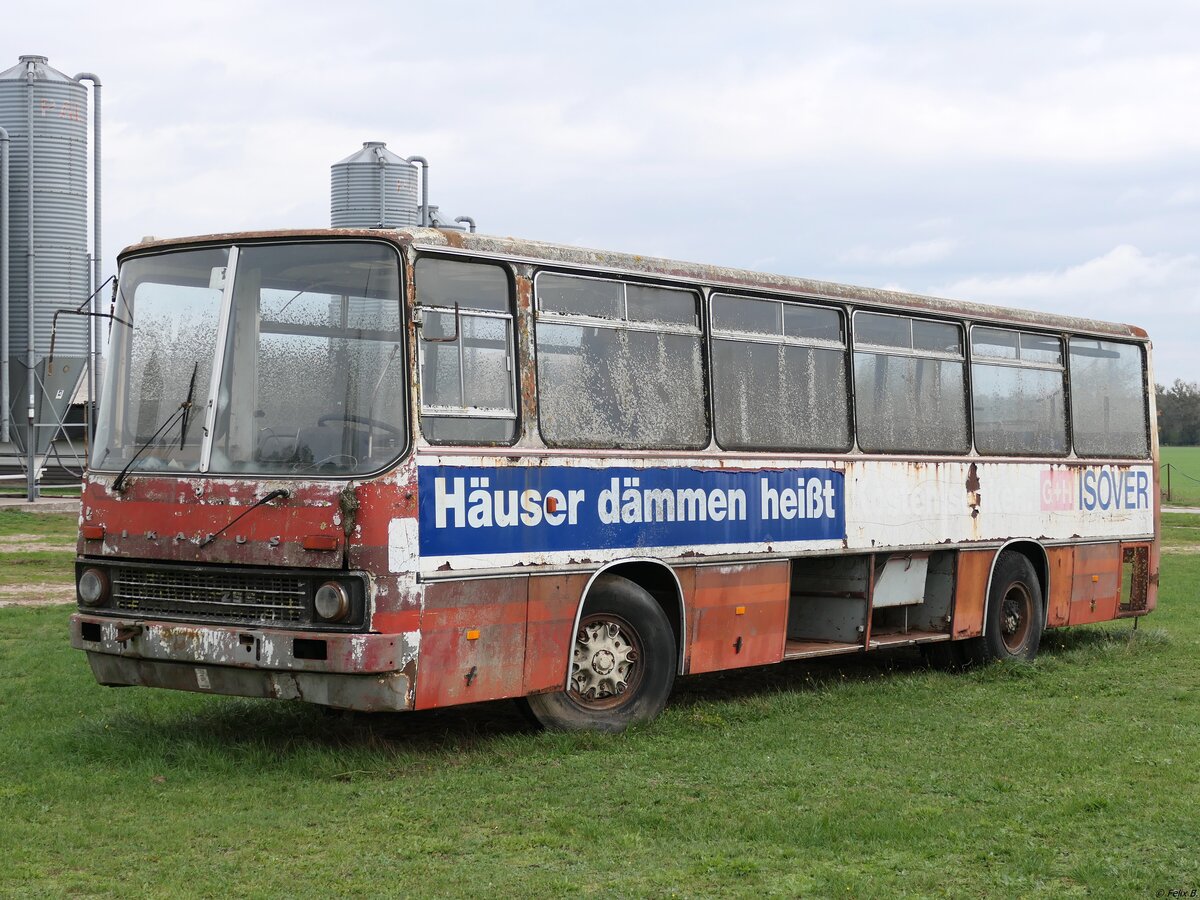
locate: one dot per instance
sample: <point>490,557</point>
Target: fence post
<point>1168,481</point>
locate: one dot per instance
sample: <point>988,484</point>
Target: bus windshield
<point>264,359</point>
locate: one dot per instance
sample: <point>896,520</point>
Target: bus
<point>406,469</point>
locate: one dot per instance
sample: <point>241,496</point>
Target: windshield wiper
<point>180,414</point>
<point>187,405</point>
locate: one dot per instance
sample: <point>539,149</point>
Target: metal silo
<point>373,188</point>
<point>45,114</point>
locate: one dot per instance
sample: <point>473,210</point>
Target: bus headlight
<point>93,587</point>
<point>331,602</point>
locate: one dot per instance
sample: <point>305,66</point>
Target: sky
<point>1043,155</point>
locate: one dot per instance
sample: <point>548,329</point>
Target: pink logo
<point>1058,490</point>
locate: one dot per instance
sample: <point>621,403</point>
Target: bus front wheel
<point>622,663</point>
<point>1015,612</point>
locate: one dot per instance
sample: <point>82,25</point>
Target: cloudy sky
<point>1022,152</point>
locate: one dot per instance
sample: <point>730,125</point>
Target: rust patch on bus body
<point>390,691</point>
<point>1152,577</point>
<point>527,371</point>
<point>1095,583</point>
<point>170,519</point>
<point>972,478</point>
<point>472,641</point>
<point>553,600</point>
<point>241,647</point>
<point>1135,578</point>
<point>970,592</point>
<point>738,616</point>
<point>973,491</point>
<point>1061,570</point>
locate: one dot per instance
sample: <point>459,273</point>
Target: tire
<point>1016,613</point>
<point>623,663</point>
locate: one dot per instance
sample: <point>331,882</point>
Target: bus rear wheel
<point>1015,612</point>
<point>622,663</point>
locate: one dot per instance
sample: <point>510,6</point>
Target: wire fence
<point>1178,485</point>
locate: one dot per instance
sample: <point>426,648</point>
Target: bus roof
<point>611,262</point>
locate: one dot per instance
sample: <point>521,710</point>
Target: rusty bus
<point>398,470</point>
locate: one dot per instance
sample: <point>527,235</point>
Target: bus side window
<point>779,375</point>
<point>1017,392</point>
<point>910,391</point>
<point>1108,399</point>
<point>619,364</point>
<point>468,372</point>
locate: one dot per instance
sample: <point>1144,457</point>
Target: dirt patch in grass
<point>43,593</point>
<point>30,543</point>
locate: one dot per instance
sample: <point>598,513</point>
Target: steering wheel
<point>360,420</point>
<point>317,464</point>
<point>282,453</point>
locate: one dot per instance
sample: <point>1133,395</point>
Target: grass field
<point>1185,474</point>
<point>875,778</point>
<point>37,555</point>
<point>1180,532</point>
<point>61,527</point>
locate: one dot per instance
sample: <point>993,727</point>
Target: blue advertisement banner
<point>537,509</point>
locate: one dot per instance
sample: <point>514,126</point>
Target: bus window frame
<point>961,325</point>
<point>712,334</point>
<point>1063,367</point>
<point>697,329</point>
<point>513,353</point>
<point>1144,383</point>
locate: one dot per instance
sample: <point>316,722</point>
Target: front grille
<point>226,596</point>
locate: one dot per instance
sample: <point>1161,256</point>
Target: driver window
<point>468,385</point>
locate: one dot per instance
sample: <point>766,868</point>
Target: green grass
<point>1185,474</point>
<point>1072,777</point>
<point>61,527</point>
<point>37,566</point>
<point>1180,530</point>
<point>30,567</point>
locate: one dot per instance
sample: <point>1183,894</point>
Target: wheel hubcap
<point>605,663</point>
<point>1015,617</point>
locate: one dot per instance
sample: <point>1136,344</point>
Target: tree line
<point>1179,414</point>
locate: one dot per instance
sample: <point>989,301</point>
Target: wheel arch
<point>658,580</point>
<point>1033,551</point>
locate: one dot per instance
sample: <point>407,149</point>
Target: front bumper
<point>368,672</point>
